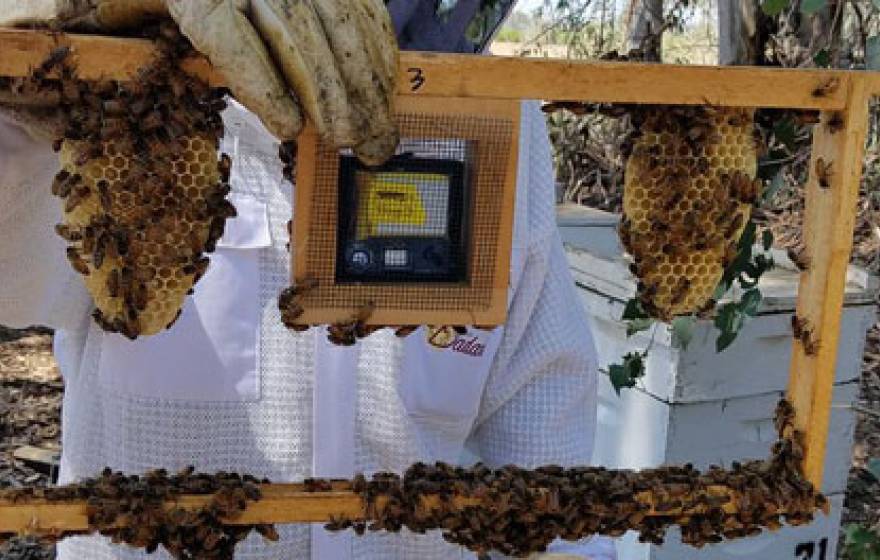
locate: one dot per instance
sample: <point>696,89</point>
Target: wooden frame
<point>841,96</point>
<point>489,302</point>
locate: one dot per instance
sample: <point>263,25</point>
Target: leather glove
<point>334,60</point>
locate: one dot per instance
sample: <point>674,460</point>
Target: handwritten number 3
<point>417,78</point>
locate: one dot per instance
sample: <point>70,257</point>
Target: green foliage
<point>683,331</point>
<point>811,6</point>
<point>873,467</point>
<point>746,270</point>
<point>637,319</point>
<point>509,36</point>
<point>861,543</point>
<point>822,58</point>
<point>626,374</point>
<point>773,7</point>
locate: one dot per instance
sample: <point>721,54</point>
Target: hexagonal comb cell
<point>690,183</point>
<point>137,230</point>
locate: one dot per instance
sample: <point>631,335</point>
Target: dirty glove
<point>335,60</point>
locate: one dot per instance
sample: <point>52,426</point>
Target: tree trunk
<point>743,30</point>
<point>645,28</point>
<point>822,31</point>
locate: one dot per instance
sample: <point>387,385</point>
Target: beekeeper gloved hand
<point>334,60</point>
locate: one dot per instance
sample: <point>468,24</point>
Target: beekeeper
<point>229,388</point>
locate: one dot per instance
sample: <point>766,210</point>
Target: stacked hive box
<point>705,408</point>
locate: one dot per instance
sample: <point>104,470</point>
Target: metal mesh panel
<point>476,151</point>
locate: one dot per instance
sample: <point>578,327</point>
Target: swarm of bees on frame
<point>344,333</point>
<point>142,187</point>
<point>509,510</point>
<point>690,184</point>
<point>520,511</point>
<point>142,501</point>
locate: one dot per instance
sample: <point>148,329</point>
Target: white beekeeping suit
<point>229,388</point>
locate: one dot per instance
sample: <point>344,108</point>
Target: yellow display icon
<point>391,203</point>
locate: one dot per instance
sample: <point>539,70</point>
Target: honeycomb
<point>138,231</point>
<point>689,186</point>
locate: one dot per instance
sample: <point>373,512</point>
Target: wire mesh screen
<point>418,233</point>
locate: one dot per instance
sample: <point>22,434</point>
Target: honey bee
<point>734,225</point>
<point>835,122</point>
<point>268,532</point>
<point>139,105</point>
<point>77,262</point>
<point>64,182</point>
<point>99,253</point>
<point>826,88</point>
<point>115,107</point>
<point>76,197</point>
<point>104,195</point>
<point>824,172</point>
<point>65,232</point>
<point>175,319</point>
<point>744,188</point>
<point>800,258</point>
<point>680,291</point>
<point>673,200</point>
<point>56,57</point>
<point>707,310</point>
<point>646,291</point>
<point>113,283</point>
<point>224,166</point>
<point>405,331</point>
<point>804,333</point>
<point>805,118</point>
<point>152,121</point>
<point>113,128</point>
<point>739,118</point>
<point>139,296</point>
<point>200,267</point>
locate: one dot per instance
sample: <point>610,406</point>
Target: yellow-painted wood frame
<point>842,97</point>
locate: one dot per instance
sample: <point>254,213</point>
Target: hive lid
<point>598,264</point>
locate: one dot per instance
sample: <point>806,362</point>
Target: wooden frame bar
<point>491,77</point>
<point>830,212</point>
<point>828,238</point>
<point>286,503</point>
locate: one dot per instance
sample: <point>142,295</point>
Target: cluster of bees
<point>690,183</point>
<point>142,187</point>
<point>510,510</point>
<point>522,511</point>
<point>344,333</point>
<point>142,501</point>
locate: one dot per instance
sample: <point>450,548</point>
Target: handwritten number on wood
<point>807,550</point>
<point>417,78</point>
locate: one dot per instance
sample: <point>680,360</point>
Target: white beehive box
<point>697,406</point>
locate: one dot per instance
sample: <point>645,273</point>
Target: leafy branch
<point>745,270</point>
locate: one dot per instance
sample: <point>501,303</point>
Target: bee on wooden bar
<point>824,172</point>
<point>826,88</point>
<point>835,122</point>
<point>804,333</point>
<point>800,258</point>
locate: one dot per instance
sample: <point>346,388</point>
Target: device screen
<point>402,221</point>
